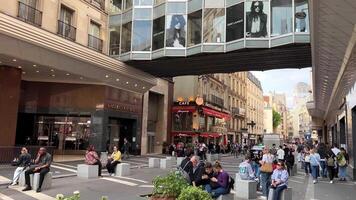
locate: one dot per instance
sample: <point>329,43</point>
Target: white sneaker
<point>13,184</point>
<point>314,181</point>
<point>331,182</point>
<point>263,197</point>
<point>112,175</point>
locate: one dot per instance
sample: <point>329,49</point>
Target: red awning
<point>184,134</point>
<point>217,114</point>
<point>176,109</point>
<point>212,135</point>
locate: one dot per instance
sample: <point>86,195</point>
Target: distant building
<point>267,115</point>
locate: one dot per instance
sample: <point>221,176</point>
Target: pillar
<point>10,84</point>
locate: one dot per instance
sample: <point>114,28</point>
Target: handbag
<point>266,167</point>
<point>184,173</point>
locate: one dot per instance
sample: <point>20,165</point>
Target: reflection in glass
<point>176,30</point>
<point>235,22</point>
<point>143,2</point>
<point>214,25</point>
<point>282,14</point>
<point>301,16</point>
<point>141,40</point>
<point>256,24</point>
<point>126,37</point>
<point>158,33</point>
<point>128,4</point>
<point>114,40</point>
<point>194,28</point>
<point>115,5</point>
<point>159,1</point>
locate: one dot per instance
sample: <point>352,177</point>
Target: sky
<point>283,81</point>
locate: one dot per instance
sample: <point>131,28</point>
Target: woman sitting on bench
<point>279,180</point>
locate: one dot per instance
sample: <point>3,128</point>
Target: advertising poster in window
<point>176,30</point>
<point>257,13</point>
<point>235,22</point>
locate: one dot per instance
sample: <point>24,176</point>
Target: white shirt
<point>280,154</point>
<point>255,27</point>
<point>267,158</point>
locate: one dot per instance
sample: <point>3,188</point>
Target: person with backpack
<point>342,159</point>
<point>314,163</point>
<point>331,165</point>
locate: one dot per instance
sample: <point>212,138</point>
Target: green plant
<point>194,193</point>
<point>169,186</point>
<point>276,118</point>
<point>75,196</point>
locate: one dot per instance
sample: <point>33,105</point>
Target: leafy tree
<point>276,119</point>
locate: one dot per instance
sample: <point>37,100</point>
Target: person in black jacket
<point>289,158</point>
<point>322,151</point>
<point>187,164</point>
<point>198,172</point>
<point>207,174</point>
<point>22,162</point>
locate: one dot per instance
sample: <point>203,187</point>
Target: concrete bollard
<point>245,189</point>
<point>153,162</point>
<point>122,169</point>
<point>87,171</point>
<point>47,181</point>
<point>179,160</point>
<point>22,181</point>
<point>286,194</point>
<point>165,164</point>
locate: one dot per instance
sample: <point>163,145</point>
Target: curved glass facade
<point>150,29</point>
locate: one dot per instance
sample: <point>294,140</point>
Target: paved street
<point>140,182</point>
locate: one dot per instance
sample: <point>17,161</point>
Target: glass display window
<point>141,40</point>
<point>176,28</point>
<point>235,22</point>
<point>158,33</point>
<point>195,28</point>
<point>214,25</point>
<point>257,12</point>
<point>126,37</point>
<point>282,17</point>
<point>114,48</point>
<point>301,16</point>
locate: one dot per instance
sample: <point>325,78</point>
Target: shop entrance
<point>118,129</point>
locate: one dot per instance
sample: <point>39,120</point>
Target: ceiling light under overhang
<point>67,74</point>
<point>117,79</point>
<point>14,60</point>
<point>34,65</point>
<point>106,76</point>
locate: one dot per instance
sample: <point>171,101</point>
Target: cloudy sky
<point>283,81</point>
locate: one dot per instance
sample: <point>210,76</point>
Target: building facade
<point>209,107</point>
<point>60,87</point>
<point>267,115</point>
<point>255,108</point>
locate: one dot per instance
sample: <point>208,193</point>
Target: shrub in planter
<point>194,193</point>
<point>168,187</point>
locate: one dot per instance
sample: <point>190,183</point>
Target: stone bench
<point>286,194</point>
<point>165,164</point>
<point>226,197</point>
<point>153,163</point>
<point>47,181</point>
<point>87,171</point>
<point>245,189</point>
<point>212,157</point>
<point>179,160</point>
<point>122,169</point>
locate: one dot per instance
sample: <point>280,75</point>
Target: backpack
<point>341,160</point>
<point>182,172</point>
<point>231,184</point>
<point>330,161</point>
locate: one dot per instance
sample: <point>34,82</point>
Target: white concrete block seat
<point>153,163</point>
<point>22,181</point>
<point>87,171</point>
<point>47,181</point>
<point>165,164</point>
<point>245,189</point>
<point>179,160</point>
<point>123,169</point>
<point>286,194</point>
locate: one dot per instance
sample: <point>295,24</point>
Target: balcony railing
<point>29,14</point>
<point>98,3</point>
<point>217,101</point>
<point>95,43</point>
<point>238,111</point>
<point>66,30</point>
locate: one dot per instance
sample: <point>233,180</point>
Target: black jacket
<point>187,166</point>
<point>198,173</point>
<point>24,160</point>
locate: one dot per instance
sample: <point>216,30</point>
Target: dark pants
<point>110,166</point>
<point>215,193</point>
<point>100,166</point>
<point>307,167</point>
<point>289,168</point>
<point>331,172</point>
<point>278,191</point>
<point>31,170</point>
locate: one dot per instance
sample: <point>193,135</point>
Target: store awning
<point>176,109</point>
<point>211,135</point>
<point>217,114</point>
<point>184,134</point>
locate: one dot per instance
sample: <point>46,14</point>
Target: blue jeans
<point>215,193</point>
<point>315,172</point>
<point>278,191</point>
<point>324,171</point>
<point>342,171</point>
<point>265,182</point>
<point>256,168</point>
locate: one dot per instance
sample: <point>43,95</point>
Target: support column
<point>144,139</point>
<point>10,84</point>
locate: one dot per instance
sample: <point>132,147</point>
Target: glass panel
<point>214,25</point>
<point>143,13</point>
<point>141,40</point>
<point>159,1</point>
<point>66,15</point>
<point>128,4</point>
<point>301,16</point>
<point>183,121</point>
<point>114,40</point>
<point>235,22</point>
<point>282,14</point>
<point>94,29</point>
<point>175,30</point>
<point>143,2</point>
<point>176,8</point>
<point>158,33</point>
<point>126,37</point>
<point>194,28</point>
<point>257,19</point>
<point>115,5</point>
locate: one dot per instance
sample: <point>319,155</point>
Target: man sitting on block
<point>42,164</point>
<point>245,169</point>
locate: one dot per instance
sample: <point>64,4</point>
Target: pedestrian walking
<point>322,151</point>
<point>280,153</point>
<point>266,171</point>
<point>314,163</point>
<point>307,166</point>
<point>331,165</point>
<point>342,160</point>
<point>289,161</point>
<point>125,149</point>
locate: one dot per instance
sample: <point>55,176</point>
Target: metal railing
<point>7,154</point>
<point>66,30</point>
<point>98,3</point>
<point>29,14</point>
<point>95,43</point>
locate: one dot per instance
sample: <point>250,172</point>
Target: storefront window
<point>202,125</point>
<point>141,40</point>
<point>214,25</point>
<point>257,18</point>
<point>210,123</point>
<point>183,121</point>
<point>126,37</point>
<point>282,17</point>
<point>114,40</point>
<point>63,132</point>
<point>176,31</point>
<point>301,16</point>
<point>235,22</point>
<point>115,6</point>
<point>158,33</point>
<point>194,28</point>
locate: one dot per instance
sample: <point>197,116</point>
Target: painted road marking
<point>64,168</point>
<point>34,194</point>
<point>132,179</point>
<point>120,181</point>
<point>65,165</point>
<point>146,186</point>
<point>291,180</point>
<point>4,197</point>
<point>4,179</point>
